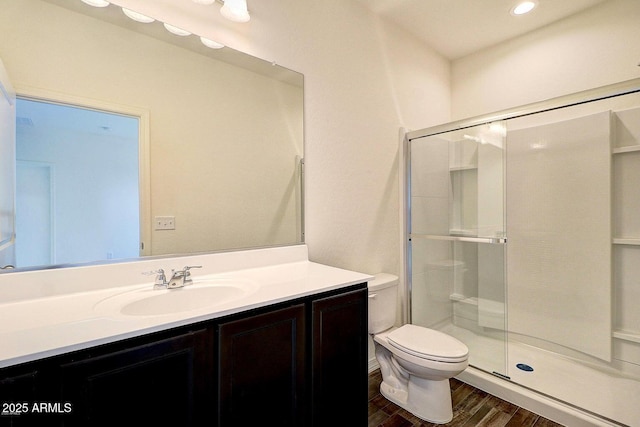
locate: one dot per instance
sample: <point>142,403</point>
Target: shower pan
<point>523,241</point>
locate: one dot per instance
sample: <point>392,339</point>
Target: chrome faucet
<point>161,280</point>
<point>179,279</point>
<point>176,280</point>
<point>187,274</point>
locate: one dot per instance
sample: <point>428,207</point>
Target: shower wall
<point>559,230</point>
<point>524,236</point>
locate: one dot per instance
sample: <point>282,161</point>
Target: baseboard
<point>373,365</point>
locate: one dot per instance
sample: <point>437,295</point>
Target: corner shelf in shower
<point>471,239</point>
<point>463,168</point>
<point>463,232</point>
<point>627,336</point>
<point>627,149</point>
<point>626,202</point>
<point>620,241</point>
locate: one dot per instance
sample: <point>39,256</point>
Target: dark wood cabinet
<point>339,359</point>
<point>165,382</point>
<point>296,363</point>
<point>18,388</point>
<point>262,369</point>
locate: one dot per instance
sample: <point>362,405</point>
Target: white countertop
<point>36,326</point>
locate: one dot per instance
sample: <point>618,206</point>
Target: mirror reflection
<point>128,133</point>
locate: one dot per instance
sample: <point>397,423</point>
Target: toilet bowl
<point>415,362</point>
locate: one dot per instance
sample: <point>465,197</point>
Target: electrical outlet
<point>165,222</point>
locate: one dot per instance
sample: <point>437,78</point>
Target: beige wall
<point>364,80</point>
<point>592,49</point>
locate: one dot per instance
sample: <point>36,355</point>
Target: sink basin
<point>200,295</point>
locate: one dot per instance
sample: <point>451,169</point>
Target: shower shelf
<point>494,240</point>
<point>627,336</point>
<point>635,242</point>
<point>463,168</point>
<point>627,149</point>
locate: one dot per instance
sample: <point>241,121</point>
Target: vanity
<point>285,342</point>
<point>262,335</point>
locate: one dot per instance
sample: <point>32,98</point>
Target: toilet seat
<point>428,344</point>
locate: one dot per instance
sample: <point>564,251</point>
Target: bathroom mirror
<point>220,133</point>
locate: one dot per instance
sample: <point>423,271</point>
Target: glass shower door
<point>457,239</point>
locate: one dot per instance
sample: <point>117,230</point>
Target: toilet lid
<point>428,344</point>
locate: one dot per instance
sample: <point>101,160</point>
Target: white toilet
<point>416,363</point>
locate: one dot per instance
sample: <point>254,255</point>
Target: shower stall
<point>523,241</point>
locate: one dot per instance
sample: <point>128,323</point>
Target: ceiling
<point>456,28</point>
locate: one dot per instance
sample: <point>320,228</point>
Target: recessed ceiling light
<point>523,7</point>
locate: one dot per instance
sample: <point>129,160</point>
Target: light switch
<point>165,222</point>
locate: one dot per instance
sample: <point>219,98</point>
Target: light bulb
<point>210,43</point>
<point>205,2</point>
<point>137,16</point>
<point>96,3</point>
<point>177,31</point>
<point>235,10</point>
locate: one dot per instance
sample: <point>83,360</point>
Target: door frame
<point>51,174</point>
<point>8,236</point>
<point>144,169</point>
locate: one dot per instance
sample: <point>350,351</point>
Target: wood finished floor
<point>471,408</point>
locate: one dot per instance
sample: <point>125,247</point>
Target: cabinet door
<point>165,382</point>
<point>339,360</point>
<point>262,370</point>
<point>18,392</point>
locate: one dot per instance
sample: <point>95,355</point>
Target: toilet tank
<point>383,290</point>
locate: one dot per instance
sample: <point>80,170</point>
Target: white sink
<point>202,294</point>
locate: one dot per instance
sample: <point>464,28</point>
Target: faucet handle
<point>186,269</point>
<point>160,280</point>
<point>187,274</point>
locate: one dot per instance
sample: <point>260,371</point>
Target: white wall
<point>592,49</point>
<point>363,81</point>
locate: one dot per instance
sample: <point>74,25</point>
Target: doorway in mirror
<point>77,184</point>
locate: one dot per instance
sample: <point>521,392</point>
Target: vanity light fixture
<point>96,3</point>
<point>235,10</point>
<point>524,7</point>
<point>210,43</point>
<point>137,16</point>
<point>177,31</point>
